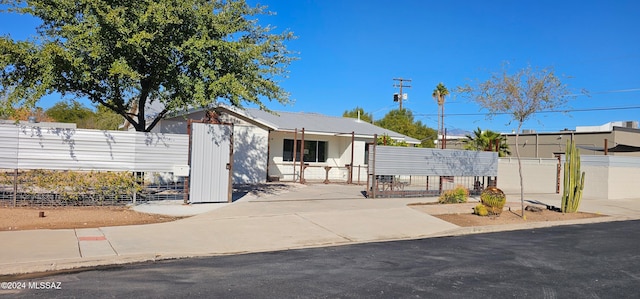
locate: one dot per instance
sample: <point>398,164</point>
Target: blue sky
<point>350,51</point>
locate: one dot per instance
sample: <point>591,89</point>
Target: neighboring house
<point>622,139</point>
<point>264,144</point>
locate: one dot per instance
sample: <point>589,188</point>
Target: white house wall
<point>338,155</point>
<point>358,157</point>
<point>250,147</point>
<point>177,125</point>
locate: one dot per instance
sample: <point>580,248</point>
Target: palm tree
<point>439,95</point>
<point>486,141</point>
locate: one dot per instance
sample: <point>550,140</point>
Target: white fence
<point>31,147</point>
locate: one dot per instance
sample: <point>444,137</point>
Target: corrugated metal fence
<point>25,147</point>
<point>26,150</point>
<point>409,171</point>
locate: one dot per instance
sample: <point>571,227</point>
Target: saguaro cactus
<point>573,179</point>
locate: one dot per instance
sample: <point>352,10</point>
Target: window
<point>314,151</point>
<point>366,153</point>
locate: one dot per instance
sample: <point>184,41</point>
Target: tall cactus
<point>573,179</point>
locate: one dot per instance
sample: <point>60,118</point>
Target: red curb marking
<point>100,238</point>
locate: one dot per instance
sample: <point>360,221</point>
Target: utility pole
<point>401,96</point>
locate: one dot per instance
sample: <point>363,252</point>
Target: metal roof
<point>314,123</point>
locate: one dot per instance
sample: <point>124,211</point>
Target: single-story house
<point>271,146</point>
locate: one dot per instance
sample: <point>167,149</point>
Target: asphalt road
<point>582,261</point>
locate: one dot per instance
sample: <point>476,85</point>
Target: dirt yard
<point>461,214</point>
<point>74,217</point>
<point>511,217</point>
<point>90,217</point>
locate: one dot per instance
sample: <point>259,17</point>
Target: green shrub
<point>494,199</point>
<point>72,185</point>
<point>480,210</point>
<point>458,195</point>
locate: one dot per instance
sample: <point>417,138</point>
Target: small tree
<point>23,114</point>
<point>359,113</point>
<point>486,141</point>
<point>521,95</point>
<point>386,140</point>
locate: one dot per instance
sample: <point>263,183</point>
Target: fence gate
<point>211,148</point>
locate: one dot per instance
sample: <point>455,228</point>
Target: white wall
<point>606,177</point>
<point>610,177</point>
<point>538,175</point>
<point>596,180</point>
<point>623,182</point>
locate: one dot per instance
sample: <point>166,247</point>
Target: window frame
<point>315,151</point>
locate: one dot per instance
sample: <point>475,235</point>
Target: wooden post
<point>295,152</point>
<point>15,186</point>
<point>353,140</point>
<point>302,181</point>
<point>326,177</point>
<point>372,164</point>
<point>558,171</point>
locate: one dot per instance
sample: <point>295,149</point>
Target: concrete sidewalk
<point>287,217</point>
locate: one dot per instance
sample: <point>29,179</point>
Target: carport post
<point>353,140</point>
<point>374,181</point>
<point>302,181</point>
<point>295,151</point>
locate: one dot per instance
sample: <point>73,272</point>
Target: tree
<point>358,113</point>
<point>402,121</point>
<point>128,55</point>
<point>521,95</point>
<point>386,140</point>
<point>84,117</point>
<point>439,94</point>
<point>105,119</point>
<point>70,112</point>
<point>487,141</point>
<point>24,113</point>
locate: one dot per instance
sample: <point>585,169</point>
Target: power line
<point>588,93</point>
<point>539,112</point>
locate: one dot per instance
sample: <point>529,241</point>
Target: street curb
<point>45,268</point>
<point>522,226</point>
